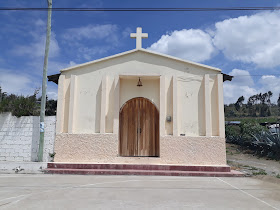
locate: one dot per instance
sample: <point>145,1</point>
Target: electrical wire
<point>70,9</point>
<point>257,75</point>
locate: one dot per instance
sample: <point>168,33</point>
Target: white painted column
<point>221,105</point>
<point>162,111</point>
<point>116,105</point>
<point>207,106</point>
<point>60,104</point>
<point>103,105</point>
<point>72,103</point>
<point>175,106</point>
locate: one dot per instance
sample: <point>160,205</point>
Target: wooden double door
<point>139,128</point>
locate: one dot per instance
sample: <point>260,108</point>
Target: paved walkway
<point>18,191</point>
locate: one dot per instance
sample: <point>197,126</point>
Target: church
<point>140,107</point>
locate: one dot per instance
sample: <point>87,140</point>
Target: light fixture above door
<point>139,84</point>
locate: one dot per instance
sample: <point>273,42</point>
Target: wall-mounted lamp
<point>139,84</point>
<point>168,118</point>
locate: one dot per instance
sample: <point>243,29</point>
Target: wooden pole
<point>44,84</point>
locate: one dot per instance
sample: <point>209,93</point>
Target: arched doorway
<point>139,128</point>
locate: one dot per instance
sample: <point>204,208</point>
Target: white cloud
<point>250,39</point>
<point>52,91</point>
<point>270,83</point>
<point>88,53</point>
<point>35,43</point>
<point>40,23</point>
<point>36,66</point>
<point>72,63</point>
<point>13,82</point>
<point>107,31</point>
<point>37,48</point>
<point>126,32</point>
<point>192,44</point>
<point>91,40</point>
<point>241,85</point>
<point>242,77</point>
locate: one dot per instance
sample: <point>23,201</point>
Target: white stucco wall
<point>190,99</point>
<point>19,137</point>
<point>191,106</point>
<point>149,90</point>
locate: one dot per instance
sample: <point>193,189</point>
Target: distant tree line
<point>258,105</point>
<point>20,105</point>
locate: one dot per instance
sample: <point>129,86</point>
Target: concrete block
<point>19,158</point>
<point>9,158</point>
<point>10,150</point>
<point>27,159</point>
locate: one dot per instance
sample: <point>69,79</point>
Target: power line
<point>141,9</point>
<point>257,75</point>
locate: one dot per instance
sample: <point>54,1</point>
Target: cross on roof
<point>139,35</point>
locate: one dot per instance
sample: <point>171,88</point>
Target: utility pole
<point>44,84</point>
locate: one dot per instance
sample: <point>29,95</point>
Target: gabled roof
<point>145,51</point>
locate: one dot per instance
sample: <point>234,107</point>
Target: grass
<point>229,152</point>
<point>254,168</point>
<point>278,176</point>
<point>260,172</point>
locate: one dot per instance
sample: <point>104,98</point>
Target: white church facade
<point>141,107</point>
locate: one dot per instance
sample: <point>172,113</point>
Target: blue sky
<point>238,42</point>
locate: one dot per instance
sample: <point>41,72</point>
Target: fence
<point>19,137</point>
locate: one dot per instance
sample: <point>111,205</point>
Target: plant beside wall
<point>251,135</point>
<point>52,156</point>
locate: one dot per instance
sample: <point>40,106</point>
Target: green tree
<point>239,103</point>
<point>24,105</point>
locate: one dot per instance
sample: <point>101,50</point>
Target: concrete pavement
<point>41,191</point>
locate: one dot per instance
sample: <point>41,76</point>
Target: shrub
<point>243,134</point>
<point>25,105</point>
<point>251,135</point>
<point>267,144</point>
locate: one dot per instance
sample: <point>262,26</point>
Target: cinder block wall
<point>19,137</point>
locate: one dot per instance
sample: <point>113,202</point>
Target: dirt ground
<point>251,165</point>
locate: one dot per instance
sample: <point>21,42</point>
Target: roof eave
<point>143,50</point>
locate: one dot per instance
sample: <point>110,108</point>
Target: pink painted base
<point>134,169</point>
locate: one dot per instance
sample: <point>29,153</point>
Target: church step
<point>147,167</point>
<point>142,172</point>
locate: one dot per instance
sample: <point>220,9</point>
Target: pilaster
<point>60,104</point>
<point>116,104</point>
<point>207,106</point>
<point>162,110</point>
<point>175,106</point>
<point>221,105</point>
<point>72,103</point>
<point>103,104</point>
